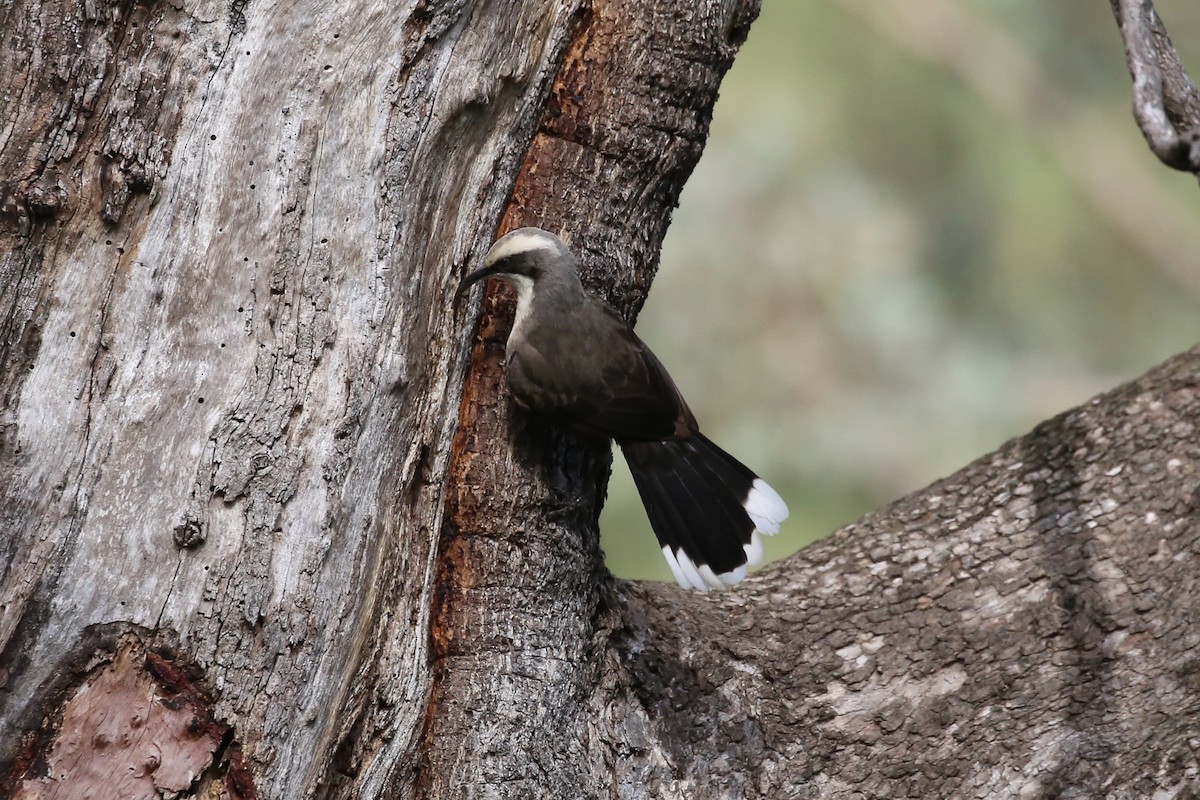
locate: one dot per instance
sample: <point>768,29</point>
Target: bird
<point>572,360</point>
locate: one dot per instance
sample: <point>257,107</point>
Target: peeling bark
<point>136,727</point>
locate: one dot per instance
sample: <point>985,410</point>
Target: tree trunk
<point>260,539</point>
<point>232,373</point>
<point>232,369</point>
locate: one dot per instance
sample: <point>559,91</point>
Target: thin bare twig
<point>1166,104</point>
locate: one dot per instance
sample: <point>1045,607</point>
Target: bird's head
<point>521,259</point>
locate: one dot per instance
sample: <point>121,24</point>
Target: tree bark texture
<point>520,578</point>
<point>1023,628</point>
<point>232,370</point>
<point>1166,104</point>
<point>261,539</point>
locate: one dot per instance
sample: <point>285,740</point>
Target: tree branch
<point>1165,102</point>
<point>1026,627</point>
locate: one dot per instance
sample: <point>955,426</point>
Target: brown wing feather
<point>611,386</point>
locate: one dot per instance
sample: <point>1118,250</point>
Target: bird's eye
<point>519,266</point>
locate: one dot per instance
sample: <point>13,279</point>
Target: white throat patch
<point>524,286</point>
<point>522,241</point>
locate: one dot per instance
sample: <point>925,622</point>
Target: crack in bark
<point>1068,555</point>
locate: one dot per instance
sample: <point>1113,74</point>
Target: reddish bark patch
<point>481,414</point>
<point>136,727</point>
<point>239,781</point>
<point>571,106</point>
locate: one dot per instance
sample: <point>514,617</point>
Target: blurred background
<point>919,228</point>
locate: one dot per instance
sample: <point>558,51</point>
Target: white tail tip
<point>765,508</point>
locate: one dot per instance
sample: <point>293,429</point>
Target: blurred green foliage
<point>918,229</point>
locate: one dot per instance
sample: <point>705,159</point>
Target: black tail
<point>706,508</point>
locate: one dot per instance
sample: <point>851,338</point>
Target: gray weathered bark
<point>260,539</point>
<point>1166,104</point>
<point>231,373</point>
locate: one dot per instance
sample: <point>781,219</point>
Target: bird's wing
<point>601,380</point>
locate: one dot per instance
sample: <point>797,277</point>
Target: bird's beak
<point>471,280</point>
